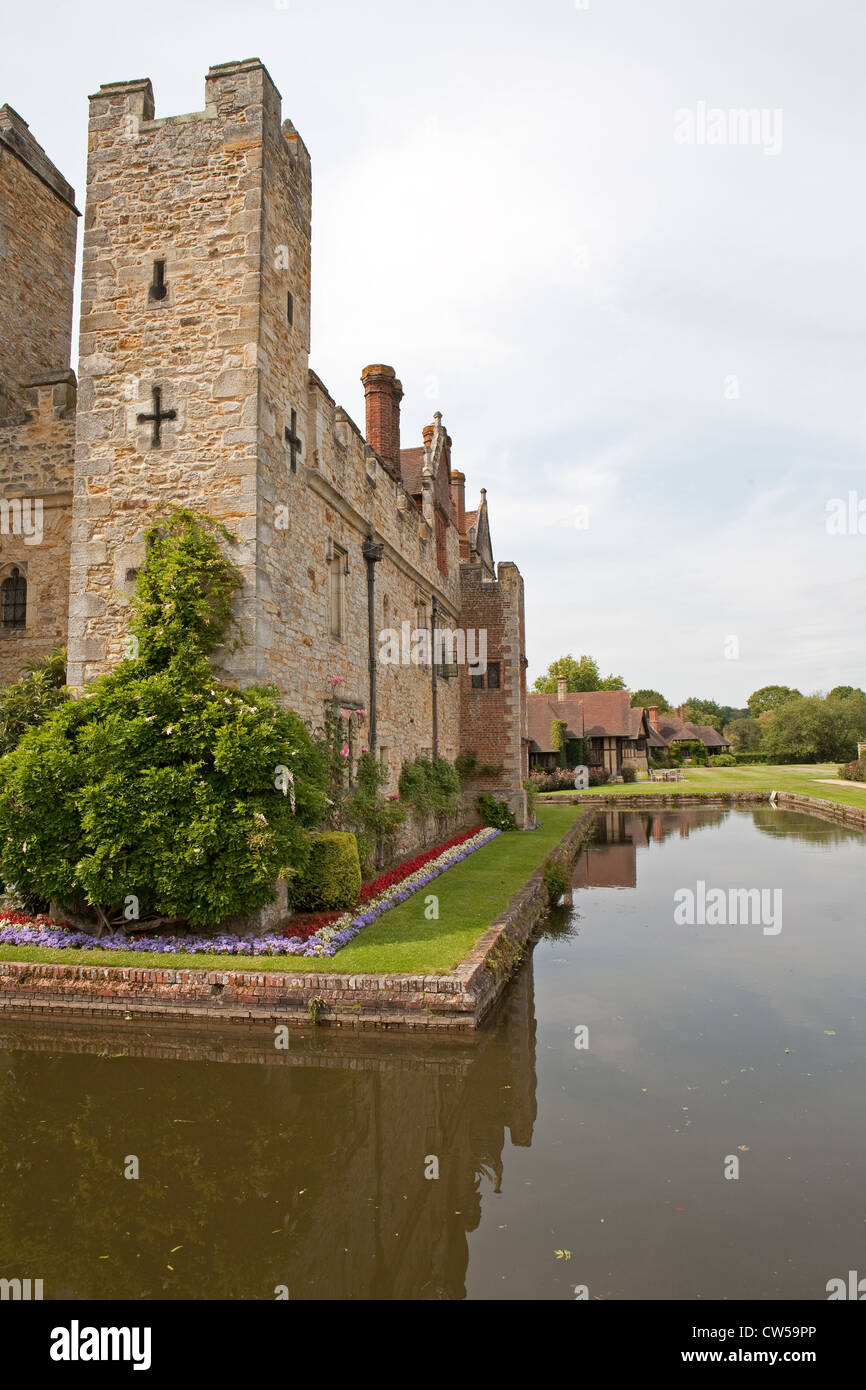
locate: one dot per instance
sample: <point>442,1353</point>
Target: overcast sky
<point>648,347</point>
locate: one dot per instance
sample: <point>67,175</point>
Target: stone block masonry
<point>38,223</point>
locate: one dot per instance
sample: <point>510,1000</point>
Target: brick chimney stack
<point>561,687</point>
<point>382,396</point>
<point>653,713</point>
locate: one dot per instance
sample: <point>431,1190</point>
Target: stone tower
<point>38,223</point>
<point>194,340</point>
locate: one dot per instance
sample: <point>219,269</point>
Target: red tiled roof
<point>411,463</point>
<point>588,714</point>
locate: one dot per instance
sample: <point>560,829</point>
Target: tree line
<point>777,720</point>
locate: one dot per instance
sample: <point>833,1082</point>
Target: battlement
<point>238,95</point>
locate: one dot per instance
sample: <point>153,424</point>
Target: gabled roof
<point>587,713</point>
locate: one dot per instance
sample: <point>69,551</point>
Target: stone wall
<point>36,452</point>
<point>38,223</point>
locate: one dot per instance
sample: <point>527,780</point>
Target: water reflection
<point>303,1168</point>
<point>610,860</point>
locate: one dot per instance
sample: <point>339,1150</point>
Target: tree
<point>705,712</point>
<point>647,699</point>
<point>29,700</point>
<point>580,675</point>
<point>744,735</point>
<point>803,726</point>
<point>769,697</point>
<point>162,791</point>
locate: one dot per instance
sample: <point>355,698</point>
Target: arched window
<point>13,600</point>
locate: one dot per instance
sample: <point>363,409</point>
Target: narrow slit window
<point>290,310</point>
<point>158,289</point>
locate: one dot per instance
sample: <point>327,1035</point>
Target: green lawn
<point>471,897</point>
<point>803,778</point>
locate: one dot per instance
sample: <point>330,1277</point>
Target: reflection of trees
<point>801,825</point>
<point>306,1169</point>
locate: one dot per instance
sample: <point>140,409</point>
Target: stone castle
<point>194,389</point>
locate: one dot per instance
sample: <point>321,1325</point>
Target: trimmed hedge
<point>774,759</point>
<point>332,876</point>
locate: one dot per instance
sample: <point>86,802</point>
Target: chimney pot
<point>653,713</point>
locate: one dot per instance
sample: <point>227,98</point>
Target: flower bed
<point>321,936</point>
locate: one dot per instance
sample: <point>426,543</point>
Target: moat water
<point>566,1159</point>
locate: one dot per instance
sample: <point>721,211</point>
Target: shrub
<point>331,878</point>
<point>723,760</point>
<point>531,787</point>
<point>496,814</point>
<point>430,787</point>
<point>27,702</point>
<point>161,789</point>
<point>556,879</point>
<point>628,773</point>
<point>467,767</point>
<point>374,818</point>
<point>854,772</point>
<point>598,776</point>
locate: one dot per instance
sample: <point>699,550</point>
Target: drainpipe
<point>372,553</point>
<point>434,614</point>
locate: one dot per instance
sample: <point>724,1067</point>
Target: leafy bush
<point>598,776</point>
<point>160,790</point>
<point>854,772</point>
<point>430,787</point>
<point>555,779</point>
<point>374,818</point>
<point>774,759</point>
<point>530,786</point>
<point>331,878</point>
<point>28,701</point>
<point>496,814</point>
<point>467,767</point>
<point>724,760</point>
<point>556,879</point>
<point>628,773</point>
